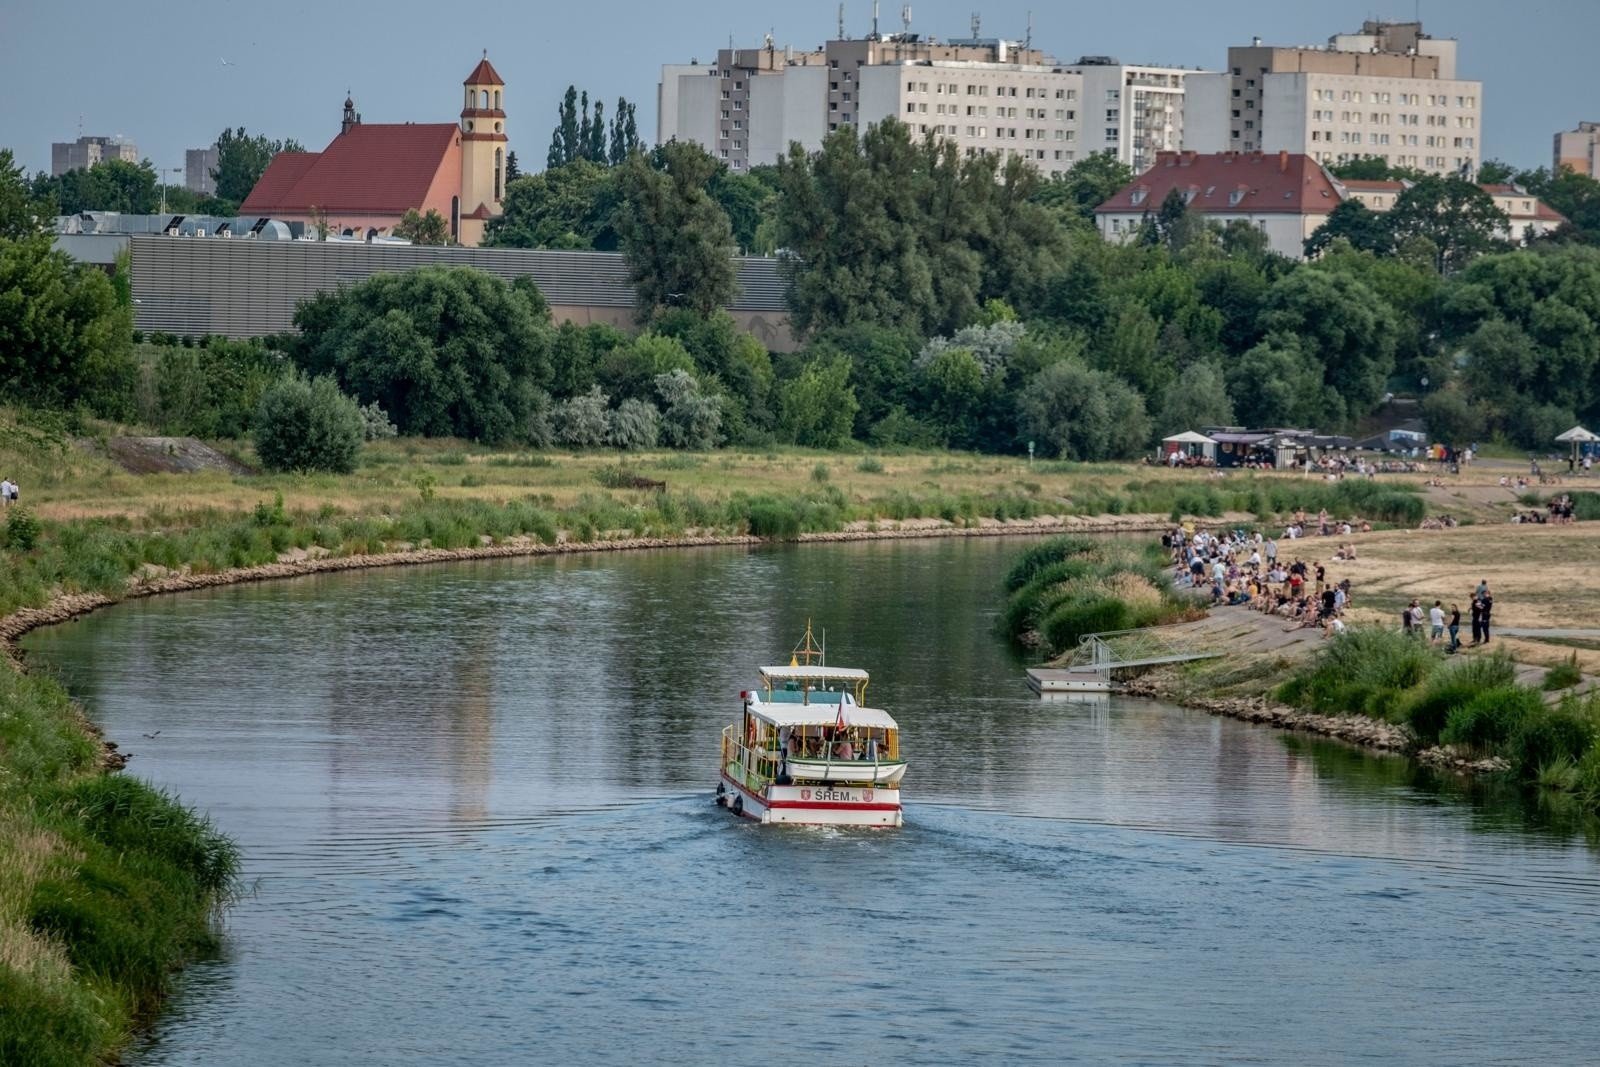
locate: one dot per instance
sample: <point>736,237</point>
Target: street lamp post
<point>164,172</point>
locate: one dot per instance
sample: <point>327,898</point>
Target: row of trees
<point>582,134</point>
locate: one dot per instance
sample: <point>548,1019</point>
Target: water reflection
<point>476,801</point>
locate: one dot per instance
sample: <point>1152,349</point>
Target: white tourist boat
<point>807,750</point>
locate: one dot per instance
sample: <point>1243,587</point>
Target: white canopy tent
<point>1189,443</point>
<point>1576,437</point>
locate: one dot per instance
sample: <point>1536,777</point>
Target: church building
<point>371,174</point>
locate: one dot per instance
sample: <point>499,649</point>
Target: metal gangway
<point>1090,666</point>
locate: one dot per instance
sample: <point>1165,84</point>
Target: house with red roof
<point>1287,195</point>
<point>1527,217</point>
<point>371,174</point>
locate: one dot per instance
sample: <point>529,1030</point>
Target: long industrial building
<point>238,287</point>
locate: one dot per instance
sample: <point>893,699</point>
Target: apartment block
<point>1579,149</point>
<point>988,96</point>
<point>85,152</point>
<point>198,163</point>
<point>1390,91</point>
<point>1133,112</point>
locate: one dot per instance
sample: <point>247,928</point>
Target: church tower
<point>483,150</point>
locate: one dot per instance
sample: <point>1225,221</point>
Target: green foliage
<point>1459,218</point>
<point>111,185</point>
<point>677,240</point>
<point>1079,413</point>
<point>1544,736</point>
<point>65,339</point>
<point>242,159</point>
<point>817,407</point>
<point>211,391</point>
<point>22,212</point>
<point>571,207</point>
<point>22,529</point>
<point>430,229</point>
<point>583,137</point>
<point>1487,721</point>
<point>1563,675</point>
<point>1426,708</point>
<point>690,417</point>
<point>1066,587</point>
<point>1363,670</point>
<point>446,351</point>
<point>308,425</point>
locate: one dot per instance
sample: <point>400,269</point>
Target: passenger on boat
<point>845,750</point>
<point>872,749</point>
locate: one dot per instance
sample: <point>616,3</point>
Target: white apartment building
<point>1390,91</point>
<point>1131,111</point>
<point>989,97</point>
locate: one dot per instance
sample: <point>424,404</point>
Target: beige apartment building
<point>1579,150</point>
<point>85,152</point>
<point>988,96</point>
<point>1390,91</point>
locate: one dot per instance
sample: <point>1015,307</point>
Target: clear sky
<point>170,74</point>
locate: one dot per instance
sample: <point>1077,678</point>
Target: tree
<point>429,229</point>
<point>1089,183</point>
<point>582,421</point>
<point>22,214</point>
<point>1277,384</point>
<point>817,407</point>
<point>242,159</point>
<point>1374,169</point>
<point>1457,216</point>
<point>677,241</point>
<point>880,367</point>
<point>447,351</point>
<point>746,200</point>
<point>1361,227</point>
<point>691,417</point>
<point>1198,397</point>
<point>564,142</point>
<point>572,206</point>
<point>624,140</point>
<point>1345,327</point>
<point>594,149</point>
<point>1495,172</point>
<point>1451,417</point>
<point>308,425</point>
<point>1577,196</point>
<point>513,171</point>
<point>1079,413</point>
<point>635,425</point>
<point>65,337</point>
<point>112,185</point>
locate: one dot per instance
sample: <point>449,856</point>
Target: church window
<point>499,170</point>
<point>485,99</point>
<point>497,99</point>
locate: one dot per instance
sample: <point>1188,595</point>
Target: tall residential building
<point>198,163</point>
<point>1132,111</point>
<point>1579,149</point>
<point>85,152</point>
<point>1390,91</point>
<point>988,96</point>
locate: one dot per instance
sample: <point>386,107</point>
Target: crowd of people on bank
<point>1557,511</point>
<point>1245,570</point>
<point>8,492</point>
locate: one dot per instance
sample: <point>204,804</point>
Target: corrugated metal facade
<point>240,288</point>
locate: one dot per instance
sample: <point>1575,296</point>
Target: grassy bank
<point>1067,587</point>
<point>106,886</point>
<point>1473,705</point>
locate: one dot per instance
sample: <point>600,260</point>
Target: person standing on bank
<point>1488,606</point>
<point>1477,619</point>
<point>1455,628</point>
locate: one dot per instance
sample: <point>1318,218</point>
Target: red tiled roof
<point>1365,185</point>
<point>480,212</point>
<point>1501,189</point>
<point>1541,210</point>
<point>484,74</point>
<point>1230,183</point>
<point>377,168</point>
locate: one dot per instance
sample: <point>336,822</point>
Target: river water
<point>474,803</point>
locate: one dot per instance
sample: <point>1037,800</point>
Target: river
<point>475,807</point>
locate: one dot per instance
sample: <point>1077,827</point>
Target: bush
<point>870,465</point>
<point>1426,709</point>
<point>1035,559</point>
<point>1070,621</point>
<point>308,425</point>
<point>820,474</point>
<point>1361,671</point>
<point>634,426</point>
<point>1563,675</point>
<point>1486,722</point>
<point>22,529</point>
<point>375,424</point>
<point>1546,735</point>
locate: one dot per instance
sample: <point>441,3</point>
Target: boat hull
<point>813,805</point>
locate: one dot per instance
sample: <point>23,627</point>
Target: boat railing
<point>754,767</point>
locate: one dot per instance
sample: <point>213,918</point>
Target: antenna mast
<point>905,19</point>
<point>841,22</point>
<point>874,20</point>
<point>1028,41</point>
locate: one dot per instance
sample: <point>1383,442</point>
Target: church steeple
<point>483,141</point>
<point>350,116</point>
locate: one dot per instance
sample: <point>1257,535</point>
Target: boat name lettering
<point>833,794</point>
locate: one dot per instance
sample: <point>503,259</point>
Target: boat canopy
<point>816,673</point>
<point>781,715</point>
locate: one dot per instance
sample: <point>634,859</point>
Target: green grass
<point>107,886</point>
<point>1563,675</point>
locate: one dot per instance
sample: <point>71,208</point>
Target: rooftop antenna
<point>905,19</point>
<point>977,25</point>
<point>1028,41</point>
<point>874,20</point>
<point>841,22</point>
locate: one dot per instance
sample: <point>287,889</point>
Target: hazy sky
<point>155,71</point>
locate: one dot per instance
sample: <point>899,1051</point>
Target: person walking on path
<point>1455,628</point>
